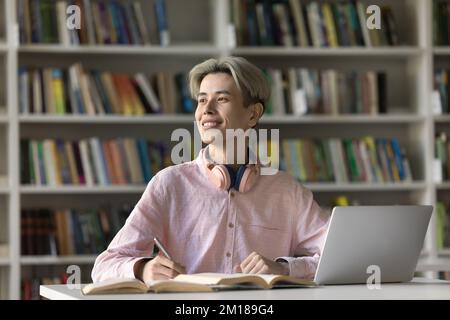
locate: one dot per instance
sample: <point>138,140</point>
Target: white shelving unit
<point>410,73</point>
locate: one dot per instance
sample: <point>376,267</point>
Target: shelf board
<point>441,50</point>
<point>444,252</point>
<point>43,260</point>
<point>28,189</point>
<point>107,119</point>
<point>442,185</point>
<point>433,264</point>
<point>332,187</point>
<point>4,261</point>
<point>345,119</point>
<point>404,186</point>
<point>442,118</point>
<point>165,119</point>
<point>404,51</point>
<point>176,50</point>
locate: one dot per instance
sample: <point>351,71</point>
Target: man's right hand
<point>159,268</point>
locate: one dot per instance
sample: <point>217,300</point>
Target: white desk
<point>419,288</point>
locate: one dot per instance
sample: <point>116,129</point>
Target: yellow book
<point>330,26</point>
<point>198,282</point>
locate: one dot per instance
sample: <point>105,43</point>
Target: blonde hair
<point>249,79</point>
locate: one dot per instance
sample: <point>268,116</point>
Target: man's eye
<point>222,99</point>
<point>201,100</point>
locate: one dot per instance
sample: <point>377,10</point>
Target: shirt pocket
<point>268,241</point>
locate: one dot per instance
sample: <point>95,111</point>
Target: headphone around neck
<point>225,178</point>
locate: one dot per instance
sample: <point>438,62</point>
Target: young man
<point>216,218</point>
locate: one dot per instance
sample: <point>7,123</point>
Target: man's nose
<point>210,107</point>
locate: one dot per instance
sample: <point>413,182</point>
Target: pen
<point>161,247</point>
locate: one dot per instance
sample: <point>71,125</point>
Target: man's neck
<point>219,155</point>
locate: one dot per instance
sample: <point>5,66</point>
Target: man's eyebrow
<point>218,92</point>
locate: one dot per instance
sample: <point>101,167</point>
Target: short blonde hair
<point>249,79</point>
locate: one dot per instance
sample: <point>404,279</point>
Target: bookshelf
<point>409,68</point>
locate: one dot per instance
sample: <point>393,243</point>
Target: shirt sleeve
<point>135,240</point>
<point>310,223</point>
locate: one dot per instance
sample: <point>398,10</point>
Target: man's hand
<point>256,263</point>
<point>159,268</point>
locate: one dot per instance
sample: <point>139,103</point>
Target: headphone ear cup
<point>248,178</point>
<point>220,177</point>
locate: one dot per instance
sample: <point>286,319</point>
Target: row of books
<point>70,231</point>
<point>441,23</point>
<point>444,275</point>
<point>346,160</point>
<point>442,86</point>
<point>79,91</point>
<point>302,91</point>
<point>91,161</point>
<point>4,284</point>
<point>30,285</point>
<point>312,23</point>
<point>442,152</point>
<point>101,22</point>
<point>443,225</point>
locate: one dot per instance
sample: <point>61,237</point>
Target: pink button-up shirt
<point>207,229</point>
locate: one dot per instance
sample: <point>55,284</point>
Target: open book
<point>199,282</point>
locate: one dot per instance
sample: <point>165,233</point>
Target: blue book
<point>101,90</point>
<point>252,23</point>
<point>144,158</point>
<point>398,158</point>
<point>77,233</point>
<point>161,22</point>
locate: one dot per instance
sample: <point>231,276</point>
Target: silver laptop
<point>359,237</point>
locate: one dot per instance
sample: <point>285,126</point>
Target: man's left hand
<point>256,263</point>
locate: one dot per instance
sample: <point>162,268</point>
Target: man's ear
<point>256,110</point>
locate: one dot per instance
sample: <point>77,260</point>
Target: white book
<point>148,92</point>
<point>332,142</point>
<point>96,150</point>
<point>279,10</point>
<point>362,20</point>
<point>298,97</point>
<point>366,162</point>
<point>308,87</point>
<point>315,24</point>
<point>63,31</point>
<point>24,96</point>
<point>436,102</point>
<point>278,105</point>
<point>86,164</point>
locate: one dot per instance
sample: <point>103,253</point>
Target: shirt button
<point>231,225</point>
<point>228,254</point>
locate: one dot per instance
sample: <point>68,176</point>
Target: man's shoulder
<point>282,179</point>
<point>177,170</point>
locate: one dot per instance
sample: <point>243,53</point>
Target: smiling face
<point>220,106</point>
